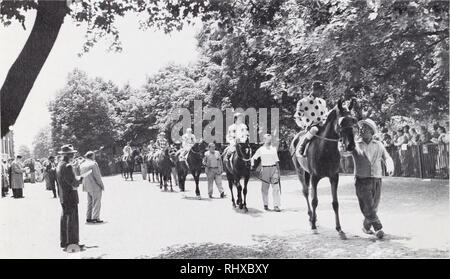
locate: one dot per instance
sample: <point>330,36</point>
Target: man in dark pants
<point>68,195</point>
<point>368,157</point>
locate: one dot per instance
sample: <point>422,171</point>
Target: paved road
<point>144,222</point>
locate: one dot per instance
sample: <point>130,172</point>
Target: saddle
<point>302,160</point>
<point>296,141</point>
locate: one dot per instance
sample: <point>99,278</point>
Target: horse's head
<point>344,124</point>
<point>244,150</point>
<point>200,147</point>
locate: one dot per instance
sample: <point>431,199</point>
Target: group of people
<point>12,177</point>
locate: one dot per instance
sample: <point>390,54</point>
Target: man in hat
<point>237,132</point>
<point>127,150</point>
<point>93,185</point>
<point>368,156</point>
<point>213,169</point>
<point>17,171</point>
<point>68,196</point>
<point>311,112</point>
<point>50,175</point>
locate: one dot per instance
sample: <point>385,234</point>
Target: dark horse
<point>322,158</point>
<point>239,167</point>
<point>128,164</point>
<point>192,164</point>
<point>163,166</point>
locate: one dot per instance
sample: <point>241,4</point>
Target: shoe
<point>379,234</point>
<point>369,231</point>
<point>277,209</point>
<point>90,220</point>
<point>210,196</point>
<point>266,207</point>
<point>222,195</point>
<point>97,221</point>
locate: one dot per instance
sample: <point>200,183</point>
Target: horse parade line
<point>143,221</point>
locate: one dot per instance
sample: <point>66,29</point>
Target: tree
<point>100,17</point>
<point>80,115</point>
<point>24,151</point>
<point>42,143</point>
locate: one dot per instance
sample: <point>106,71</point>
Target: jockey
<point>151,146</point>
<point>187,141</point>
<point>161,141</point>
<point>311,112</point>
<point>237,132</point>
<point>127,151</point>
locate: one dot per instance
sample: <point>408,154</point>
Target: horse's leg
<point>315,201</point>
<point>230,185</point>
<point>196,175</point>
<point>334,185</point>
<point>160,180</point>
<point>304,180</point>
<point>246,178</point>
<point>170,180</point>
<point>239,194</point>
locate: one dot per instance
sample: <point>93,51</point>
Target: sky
<point>144,53</point>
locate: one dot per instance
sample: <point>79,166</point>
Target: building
<point>7,146</point>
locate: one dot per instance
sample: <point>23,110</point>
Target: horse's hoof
<point>342,235</point>
<point>245,209</point>
<point>314,231</point>
<point>241,206</point>
<point>199,197</point>
<point>234,205</point>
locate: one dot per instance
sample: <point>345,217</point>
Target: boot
<point>303,146</point>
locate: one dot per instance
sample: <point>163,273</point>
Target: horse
<point>129,163</point>
<point>193,164</point>
<point>163,166</point>
<point>236,168</point>
<point>323,157</point>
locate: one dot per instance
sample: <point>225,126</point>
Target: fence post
<point>419,151</point>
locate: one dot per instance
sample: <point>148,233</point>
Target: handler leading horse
<point>322,158</point>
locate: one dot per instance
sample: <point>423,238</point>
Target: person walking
<point>17,171</point>
<point>93,185</point>
<point>68,196</point>
<point>50,175</point>
<point>4,175</point>
<point>270,172</point>
<point>368,156</point>
<point>213,169</point>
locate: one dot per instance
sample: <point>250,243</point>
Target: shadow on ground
<point>326,244</point>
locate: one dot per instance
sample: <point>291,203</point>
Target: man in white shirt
<point>270,174</point>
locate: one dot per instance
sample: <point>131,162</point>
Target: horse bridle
<point>340,134</point>
<point>244,159</point>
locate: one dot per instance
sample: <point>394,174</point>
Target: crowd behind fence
<point>422,161</point>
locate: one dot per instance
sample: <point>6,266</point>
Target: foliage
<point>24,151</point>
<point>80,115</point>
<point>42,143</point>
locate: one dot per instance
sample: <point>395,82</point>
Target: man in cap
<point>311,112</point>
<point>68,196</point>
<point>127,150</point>
<point>237,132</point>
<point>93,185</point>
<point>187,141</point>
<point>161,141</point>
<point>368,156</point>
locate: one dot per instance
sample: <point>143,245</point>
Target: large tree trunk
<point>24,71</point>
